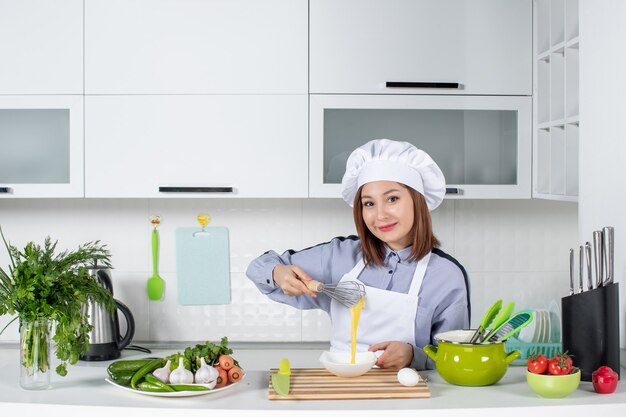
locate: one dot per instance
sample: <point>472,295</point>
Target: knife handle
<point>598,254</point>
<point>581,268</point>
<point>588,259</point>
<point>571,271</point>
<point>608,235</point>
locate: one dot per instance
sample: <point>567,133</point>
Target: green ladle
<point>155,282</point>
<point>486,321</point>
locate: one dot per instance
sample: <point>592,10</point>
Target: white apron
<point>387,315</point>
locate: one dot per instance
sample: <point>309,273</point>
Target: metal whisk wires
<point>347,293</point>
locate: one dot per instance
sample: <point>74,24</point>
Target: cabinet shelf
<point>556,100</point>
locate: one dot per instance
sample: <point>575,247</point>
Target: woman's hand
<point>396,355</point>
<point>292,280</point>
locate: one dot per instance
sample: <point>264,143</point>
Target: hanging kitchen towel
<point>202,265</point>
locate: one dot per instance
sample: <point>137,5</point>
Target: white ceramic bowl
<point>339,364</point>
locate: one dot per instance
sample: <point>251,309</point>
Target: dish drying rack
<point>527,349</point>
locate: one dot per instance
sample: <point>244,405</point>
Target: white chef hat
<point>388,160</point>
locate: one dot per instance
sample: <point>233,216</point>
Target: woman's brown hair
<point>423,238</point>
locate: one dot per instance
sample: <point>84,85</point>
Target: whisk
<point>347,293</point>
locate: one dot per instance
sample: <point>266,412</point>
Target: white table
<point>84,392</point>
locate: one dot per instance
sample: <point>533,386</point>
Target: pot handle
<point>431,351</point>
<point>512,356</point>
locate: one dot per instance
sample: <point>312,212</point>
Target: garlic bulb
<point>181,375</point>
<point>163,373</point>
<point>206,374</point>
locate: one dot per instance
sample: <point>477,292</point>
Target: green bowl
<point>553,386</point>
<point>472,365</point>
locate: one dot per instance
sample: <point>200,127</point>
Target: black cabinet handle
<point>195,189</point>
<point>405,84</point>
<point>453,191</point>
<point>6,190</point>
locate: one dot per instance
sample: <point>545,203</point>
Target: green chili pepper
<point>145,386</point>
<point>183,387</point>
<point>151,379</point>
<point>144,370</point>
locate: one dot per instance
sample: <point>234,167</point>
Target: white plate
<point>555,321</point>
<point>538,327</point>
<point>548,329</point>
<point>177,393</point>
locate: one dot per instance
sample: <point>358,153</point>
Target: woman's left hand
<point>396,355</point>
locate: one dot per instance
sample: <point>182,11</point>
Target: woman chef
<point>413,289</point>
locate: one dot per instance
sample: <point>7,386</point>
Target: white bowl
<point>338,363</point>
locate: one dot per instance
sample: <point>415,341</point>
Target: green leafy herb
<point>209,351</point>
<point>42,285</point>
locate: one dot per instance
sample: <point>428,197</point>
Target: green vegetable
<point>144,370</point>
<point>145,386</point>
<point>183,387</point>
<point>209,351</point>
<point>122,378</point>
<point>41,285</point>
<point>127,365</point>
<point>151,379</point>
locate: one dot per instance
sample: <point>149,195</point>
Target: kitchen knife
<point>571,272</point>
<point>588,259</point>
<point>581,268</point>
<point>280,380</point>
<point>608,236</point>
<point>598,253</point>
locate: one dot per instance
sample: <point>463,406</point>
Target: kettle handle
<point>130,325</point>
<point>511,356</point>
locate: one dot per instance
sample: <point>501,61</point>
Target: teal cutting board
<point>203,265</point>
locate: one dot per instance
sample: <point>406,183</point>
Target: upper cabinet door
<point>41,47</point>
<point>358,46</point>
<point>196,46</point>
<point>147,146</point>
<point>41,146</point>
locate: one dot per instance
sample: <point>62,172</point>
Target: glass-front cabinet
<point>41,146</point>
<point>481,143</point>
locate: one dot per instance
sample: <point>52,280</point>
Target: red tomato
<point>537,364</point>
<point>604,380</point>
<point>561,364</point>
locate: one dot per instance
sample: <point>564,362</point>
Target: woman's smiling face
<point>388,212</point>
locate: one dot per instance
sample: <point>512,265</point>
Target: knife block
<point>590,329</point>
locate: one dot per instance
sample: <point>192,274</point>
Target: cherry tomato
<point>561,364</point>
<point>537,364</point>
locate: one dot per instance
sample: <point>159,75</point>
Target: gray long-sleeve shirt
<point>443,297</point>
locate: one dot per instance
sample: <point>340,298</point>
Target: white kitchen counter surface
<point>84,392</point>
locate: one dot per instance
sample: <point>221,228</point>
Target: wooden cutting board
<point>319,384</point>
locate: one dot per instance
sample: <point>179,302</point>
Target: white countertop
<point>84,390</point>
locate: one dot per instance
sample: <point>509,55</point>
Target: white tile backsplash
<point>512,249</point>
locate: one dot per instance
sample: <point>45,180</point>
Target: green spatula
<point>486,321</point>
<point>155,282</point>
<point>500,319</point>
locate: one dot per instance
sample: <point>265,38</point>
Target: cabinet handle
<point>6,190</point>
<point>405,84</point>
<point>195,189</point>
<point>453,191</point>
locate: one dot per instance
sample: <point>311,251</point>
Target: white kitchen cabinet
<point>481,143</point>
<point>41,47</point>
<point>196,146</point>
<point>358,46</point>
<point>196,47</point>
<point>41,146</point>
<point>556,133</point>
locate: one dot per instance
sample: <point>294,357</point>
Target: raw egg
<point>408,377</point>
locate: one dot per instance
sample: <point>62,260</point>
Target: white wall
<point>602,200</point>
<point>512,249</point>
